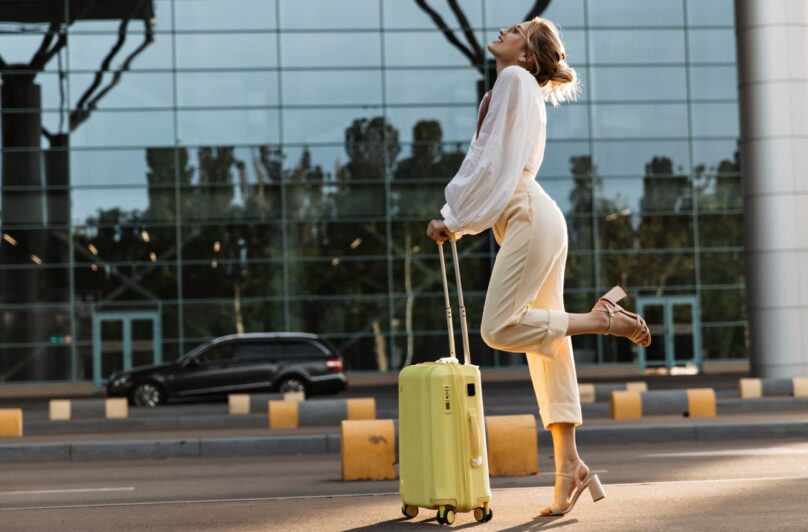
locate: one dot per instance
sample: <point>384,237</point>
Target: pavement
<point>711,486</point>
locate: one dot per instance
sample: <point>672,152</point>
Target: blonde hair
<point>550,68</point>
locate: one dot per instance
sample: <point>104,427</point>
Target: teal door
<point>123,339</point>
<point>675,324</point>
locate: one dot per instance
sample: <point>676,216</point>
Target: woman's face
<point>510,47</point>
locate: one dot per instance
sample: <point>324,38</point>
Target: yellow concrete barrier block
<point>294,396</point>
<point>362,408</point>
<point>750,388</point>
<point>701,402</point>
<point>587,393</point>
<point>10,422</point>
<point>513,445</point>
<point>368,449</point>
<point>238,404</point>
<point>59,409</point>
<point>625,404</point>
<point>636,386</point>
<point>283,414</point>
<point>800,386</point>
<point>116,408</point>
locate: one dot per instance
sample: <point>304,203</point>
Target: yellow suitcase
<point>443,462</point>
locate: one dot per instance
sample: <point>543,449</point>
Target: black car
<point>255,362</point>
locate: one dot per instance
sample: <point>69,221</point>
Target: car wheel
<point>147,394</point>
<point>292,384</point>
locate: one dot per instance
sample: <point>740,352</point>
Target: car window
<point>218,353</point>
<point>298,350</point>
<point>253,351</point>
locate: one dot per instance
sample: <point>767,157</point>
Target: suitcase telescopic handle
<point>463,321</point>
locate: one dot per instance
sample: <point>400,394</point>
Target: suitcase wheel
<point>446,516</point>
<point>483,515</point>
<point>409,511</point>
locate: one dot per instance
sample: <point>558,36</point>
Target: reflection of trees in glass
<point>654,252</point>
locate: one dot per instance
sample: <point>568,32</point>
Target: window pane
<point>722,268</point>
<point>232,15</point>
<point>126,128</point>
<point>569,121</point>
<point>305,49</point>
<point>638,83</point>
<point>155,204</point>
<point>203,320</point>
<point>636,46</point>
<point>226,50</point>
<point>565,158</point>
<point>341,240</point>
<point>724,342</point>
<point>710,13</point>
<point>446,85</point>
<point>505,13</point>
<point>215,89</point>
<point>137,90</point>
<point>720,192</point>
<point>654,270</point>
<point>712,46</point>
<point>715,120</point>
<point>716,155</point>
<point>326,14</point>
<point>632,13</point>
<point>20,48</point>
<point>228,127</point>
<point>407,15</point>
<point>713,82</point>
<point>456,123</point>
<point>422,48</point>
<point>723,305</point>
<point>342,87</point>
<point>116,167</point>
<point>322,125</point>
<point>637,121</point>
<point>627,158</point>
<point>88,52</point>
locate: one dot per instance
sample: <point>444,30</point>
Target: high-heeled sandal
<point>641,335</point>
<point>590,481</point>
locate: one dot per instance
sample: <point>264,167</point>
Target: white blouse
<point>511,141</point>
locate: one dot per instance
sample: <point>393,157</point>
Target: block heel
<point>596,489</point>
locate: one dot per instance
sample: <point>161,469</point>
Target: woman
<point>496,187</point>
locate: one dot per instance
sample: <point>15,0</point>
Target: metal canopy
<point>58,11</point>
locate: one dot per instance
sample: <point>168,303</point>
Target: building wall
<point>272,165</point>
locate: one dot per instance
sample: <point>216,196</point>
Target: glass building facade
<point>177,170</point>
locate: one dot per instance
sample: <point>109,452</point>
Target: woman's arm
<point>482,187</point>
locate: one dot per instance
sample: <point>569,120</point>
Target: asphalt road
<point>713,486</point>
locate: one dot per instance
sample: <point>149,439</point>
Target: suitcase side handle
<point>463,321</point>
<point>474,439</point>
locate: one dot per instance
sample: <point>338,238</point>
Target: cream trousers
<point>524,305</point>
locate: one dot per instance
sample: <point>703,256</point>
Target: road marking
<point>384,494</point>
<point>74,490</point>
<point>766,451</point>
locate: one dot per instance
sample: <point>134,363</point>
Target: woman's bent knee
<point>491,335</point>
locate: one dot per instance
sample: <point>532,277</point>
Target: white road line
<point>766,451</point>
<point>385,494</point>
<point>74,490</point>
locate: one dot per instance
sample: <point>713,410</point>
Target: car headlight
<point>120,380</point>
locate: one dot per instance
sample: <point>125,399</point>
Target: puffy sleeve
<point>482,187</point>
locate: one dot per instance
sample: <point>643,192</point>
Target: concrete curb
<point>215,417</point>
<point>211,447</point>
